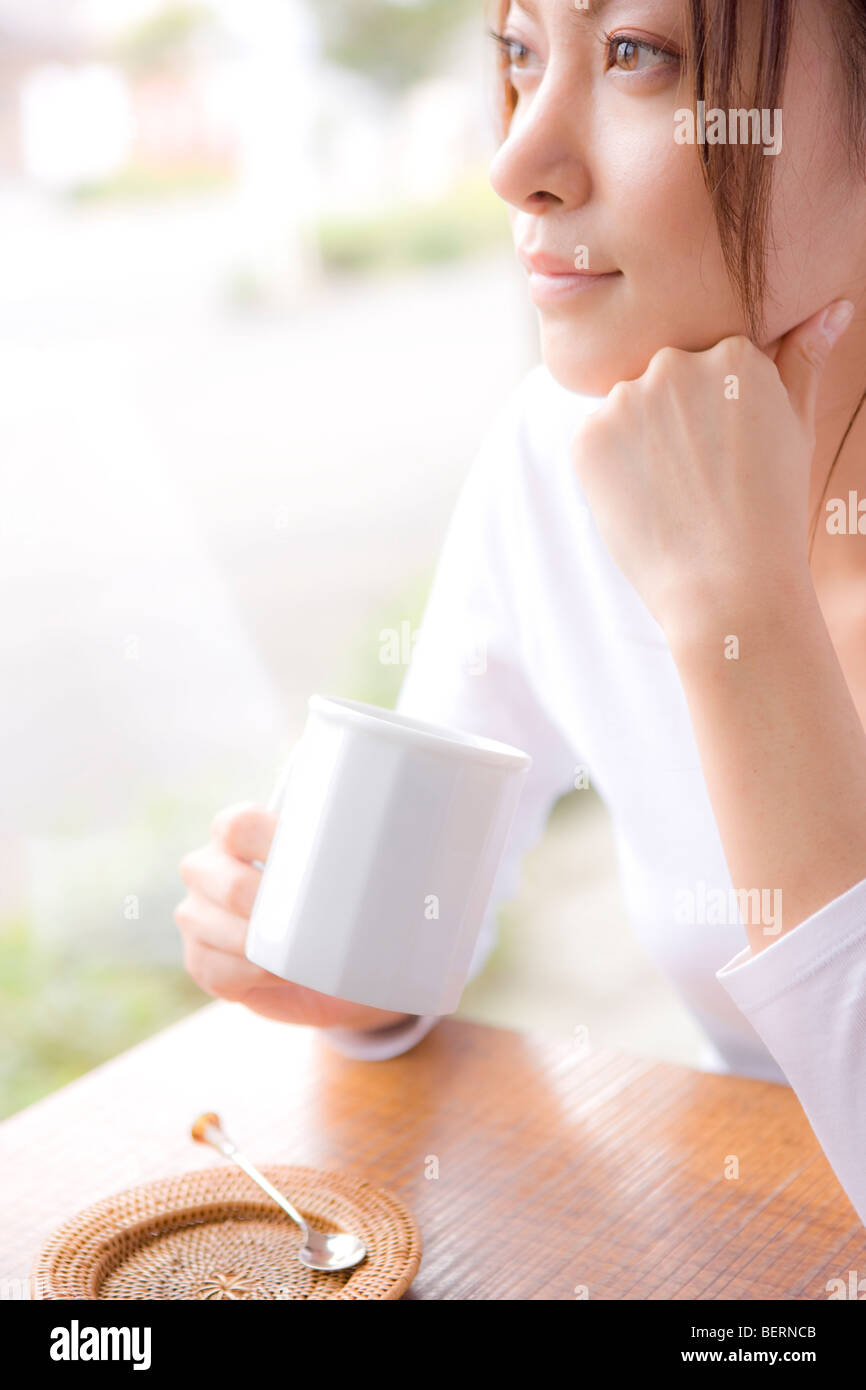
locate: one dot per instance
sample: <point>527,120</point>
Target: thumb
<point>803,354</point>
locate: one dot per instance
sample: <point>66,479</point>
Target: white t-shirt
<point>532,635</point>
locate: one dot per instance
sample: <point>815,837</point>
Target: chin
<point>580,362</point>
<point>587,375</point>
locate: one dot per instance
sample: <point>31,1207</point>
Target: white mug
<point>390,834</point>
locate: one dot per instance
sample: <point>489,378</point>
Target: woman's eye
<point>516,54</point>
<point>635,55</point>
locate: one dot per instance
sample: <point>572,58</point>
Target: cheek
<point>815,243</point>
<point>675,289</point>
<point>656,224</point>
<point>816,237</point>
<point>672,253</point>
<point>812,251</point>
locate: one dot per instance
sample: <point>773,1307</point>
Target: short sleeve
<point>468,669</point>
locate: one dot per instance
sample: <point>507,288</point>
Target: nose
<point>541,164</point>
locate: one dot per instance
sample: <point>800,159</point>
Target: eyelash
<point>610,43</point>
<point>506,44</point>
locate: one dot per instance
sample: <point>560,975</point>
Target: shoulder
<point>540,416</point>
<point>528,443</point>
<point>542,401</point>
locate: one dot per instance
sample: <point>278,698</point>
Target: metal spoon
<point>319,1251</point>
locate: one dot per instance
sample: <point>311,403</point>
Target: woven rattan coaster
<point>210,1234</point>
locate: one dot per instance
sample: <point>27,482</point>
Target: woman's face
<point>591,161</point>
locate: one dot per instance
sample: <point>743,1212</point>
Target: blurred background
<point>257,309</point>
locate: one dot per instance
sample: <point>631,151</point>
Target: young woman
<point>661,548</point>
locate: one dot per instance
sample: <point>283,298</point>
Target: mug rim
<point>438,738</point>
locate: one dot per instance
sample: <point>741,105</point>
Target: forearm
<point>781,745</point>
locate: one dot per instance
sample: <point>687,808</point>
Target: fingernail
<point>836,320</point>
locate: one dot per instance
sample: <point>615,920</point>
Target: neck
<point>839,561</point>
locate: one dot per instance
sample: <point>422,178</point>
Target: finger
<point>244,830</point>
<point>224,976</point>
<point>276,998</point>
<point>803,354</point>
<point>227,881</point>
<point>202,920</point>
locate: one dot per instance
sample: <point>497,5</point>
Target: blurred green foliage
<point>164,36</point>
<point>468,219</point>
<point>147,184</point>
<point>394,42</point>
<point>65,1010</point>
<point>371,675</point>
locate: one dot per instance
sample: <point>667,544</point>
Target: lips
<point>557,284</point>
<point>544,263</point>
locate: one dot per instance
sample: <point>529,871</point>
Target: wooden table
<point>619,1162</point>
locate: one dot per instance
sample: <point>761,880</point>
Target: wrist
<point>751,606</point>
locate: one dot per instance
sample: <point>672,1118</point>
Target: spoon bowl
<point>338,1250</point>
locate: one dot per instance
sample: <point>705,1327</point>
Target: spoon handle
<point>207,1130</point>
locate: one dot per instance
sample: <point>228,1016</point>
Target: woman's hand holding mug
<point>213,920</point>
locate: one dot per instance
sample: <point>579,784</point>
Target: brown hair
<point>738,176</point>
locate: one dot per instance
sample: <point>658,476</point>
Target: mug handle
<point>276,798</point>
